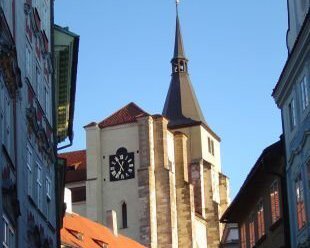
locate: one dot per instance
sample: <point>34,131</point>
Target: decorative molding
<point>44,143</point>
<point>299,148</point>
<point>8,58</point>
<point>27,7</point>
<point>35,234</point>
<point>9,191</point>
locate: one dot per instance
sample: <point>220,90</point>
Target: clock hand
<point>121,165</point>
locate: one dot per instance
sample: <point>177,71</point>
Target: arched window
<point>181,66</point>
<point>124,215</point>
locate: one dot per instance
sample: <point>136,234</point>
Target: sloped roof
<point>90,232</point>
<point>76,165</point>
<point>127,114</point>
<point>181,106</point>
<point>269,158</point>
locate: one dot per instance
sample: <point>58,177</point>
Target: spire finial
<point>178,47</point>
<point>177,2</point>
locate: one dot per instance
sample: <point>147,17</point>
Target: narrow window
<point>292,114</point>
<point>48,196</point>
<point>181,66</point>
<point>39,186</point>
<point>274,201</point>
<point>212,147</point>
<point>2,107</point>
<point>243,236</point>
<point>8,233</point>
<point>252,231</point>
<point>300,203</point>
<point>124,215</point>
<point>308,172</point>
<point>28,63</point>
<point>47,102</point>
<point>29,171</point>
<point>304,88</point>
<point>39,85</point>
<point>260,219</point>
<point>209,144</point>
<point>7,118</point>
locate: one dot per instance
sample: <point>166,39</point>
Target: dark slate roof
<point>178,45</point>
<point>181,105</point>
<point>125,115</point>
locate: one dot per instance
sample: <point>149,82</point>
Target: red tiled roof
<point>88,232</point>
<point>127,114</point>
<point>76,165</point>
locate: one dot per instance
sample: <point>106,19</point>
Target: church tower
<point>181,106</point>
<point>161,174</point>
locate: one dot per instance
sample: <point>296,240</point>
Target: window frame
<point>300,202</point>
<point>274,197</point>
<point>261,228</point>
<point>292,114</point>
<point>39,185</point>
<point>243,238</point>
<point>7,230</point>
<point>29,161</point>
<point>304,91</point>
<point>252,236</point>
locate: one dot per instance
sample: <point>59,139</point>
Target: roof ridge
<point>64,153</point>
<point>129,113</point>
<point>124,107</point>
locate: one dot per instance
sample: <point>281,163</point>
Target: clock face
<point>122,166</point>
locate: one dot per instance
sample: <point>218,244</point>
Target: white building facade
<point>292,95</point>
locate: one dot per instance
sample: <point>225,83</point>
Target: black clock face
<point>122,165</point>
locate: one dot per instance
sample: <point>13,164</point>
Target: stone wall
<point>185,195</point>
<point>165,202</point>
<point>212,210</point>
<point>146,184</point>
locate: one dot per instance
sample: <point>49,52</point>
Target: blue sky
<point>236,51</point>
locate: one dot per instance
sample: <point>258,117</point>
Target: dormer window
<point>76,234</point>
<point>101,244</point>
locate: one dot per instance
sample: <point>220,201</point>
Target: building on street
<point>30,214</point>
<point>161,174</point>
<point>260,207</point>
<point>292,96</point>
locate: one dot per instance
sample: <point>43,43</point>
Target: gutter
<point>65,146</point>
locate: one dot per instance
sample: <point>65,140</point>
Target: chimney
<point>112,221</point>
<point>68,200</point>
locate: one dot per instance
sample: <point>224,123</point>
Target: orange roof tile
<point>125,115</point>
<point>76,165</point>
<point>81,232</point>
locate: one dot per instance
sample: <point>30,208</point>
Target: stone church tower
<point>161,174</point>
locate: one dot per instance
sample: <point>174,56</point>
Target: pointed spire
<point>178,46</point>
<point>181,105</point>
